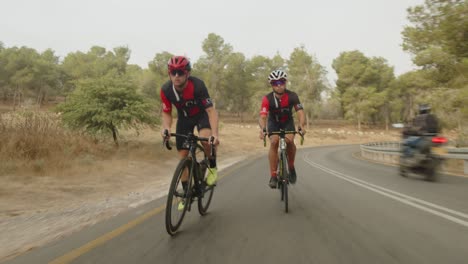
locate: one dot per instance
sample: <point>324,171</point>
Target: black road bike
<point>283,172</point>
<point>194,188</point>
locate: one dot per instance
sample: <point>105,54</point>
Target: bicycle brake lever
<point>301,134</point>
<point>211,141</point>
<point>166,140</point>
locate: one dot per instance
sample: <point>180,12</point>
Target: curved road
<point>342,210</point>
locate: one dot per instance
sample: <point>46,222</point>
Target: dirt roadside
<point>37,210</point>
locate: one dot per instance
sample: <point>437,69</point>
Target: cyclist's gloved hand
<point>301,130</point>
<point>166,134</point>
<point>262,133</point>
<point>214,139</point>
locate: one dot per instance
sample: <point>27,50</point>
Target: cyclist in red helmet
<point>275,114</point>
<point>194,107</point>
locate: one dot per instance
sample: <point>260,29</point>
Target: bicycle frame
<point>283,166</point>
<point>195,170</point>
<point>193,187</point>
<point>283,171</point>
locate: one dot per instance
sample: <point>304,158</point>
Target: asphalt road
<point>342,210</point>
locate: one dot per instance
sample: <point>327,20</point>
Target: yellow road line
<point>70,256</point>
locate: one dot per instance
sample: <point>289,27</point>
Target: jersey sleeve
<point>166,104</point>
<point>295,102</point>
<point>204,97</point>
<point>265,106</point>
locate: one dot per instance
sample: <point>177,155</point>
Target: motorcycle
<point>423,155</point>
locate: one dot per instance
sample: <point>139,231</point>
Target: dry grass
<point>35,142</point>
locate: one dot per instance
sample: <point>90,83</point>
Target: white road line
<point>406,199</point>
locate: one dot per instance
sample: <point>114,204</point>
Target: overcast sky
<point>253,27</point>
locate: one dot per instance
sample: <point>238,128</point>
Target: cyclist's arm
<point>262,120</point>
<point>213,118</point>
<point>300,111</point>
<point>302,119</point>
<point>201,92</point>
<point>166,115</point>
<point>166,121</point>
<point>262,125</point>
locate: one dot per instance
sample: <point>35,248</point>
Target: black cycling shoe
<point>273,182</point>
<point>292,176</point>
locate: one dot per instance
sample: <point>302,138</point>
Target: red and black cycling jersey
<point>193,100</point>
<point>280,109</point>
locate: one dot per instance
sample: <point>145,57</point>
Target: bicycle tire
<point>280,177</point>
<point>285,182</point>
<point>204,198</point>
<point>177,194</point>
<point>285,194</point>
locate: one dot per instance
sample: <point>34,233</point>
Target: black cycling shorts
<point>186,125</point>
<point>276,126</point>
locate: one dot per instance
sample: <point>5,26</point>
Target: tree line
<point>103,92</point>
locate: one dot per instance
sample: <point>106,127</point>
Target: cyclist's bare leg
<point>182,154</point>
<point>212,172</point>
<point>273,154</point>
<point>291,149</point>
<point>205,132</point>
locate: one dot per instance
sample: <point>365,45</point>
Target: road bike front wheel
<point>279,172</point>
<point>204,192</point>
<point>285,179</point>
<point>178,197</point>
<point>204,200</point>
<point>285,195</point>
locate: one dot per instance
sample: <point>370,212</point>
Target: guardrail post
<point>465,162</point>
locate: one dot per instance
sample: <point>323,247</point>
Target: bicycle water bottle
<point>282,144</point>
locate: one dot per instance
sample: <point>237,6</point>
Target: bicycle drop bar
<point>189,137</point>
<point>284,132</point>
<point>166,140</point>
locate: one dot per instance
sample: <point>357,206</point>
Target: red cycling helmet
<point>179,63</point>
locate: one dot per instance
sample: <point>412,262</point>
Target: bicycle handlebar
<point>284,132</point>
<point>166,141</point>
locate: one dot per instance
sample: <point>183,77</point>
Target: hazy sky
<point>253,27</point>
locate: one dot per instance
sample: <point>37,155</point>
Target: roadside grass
<point>36,142</point>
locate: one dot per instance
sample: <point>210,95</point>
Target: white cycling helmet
<point>277,75</point>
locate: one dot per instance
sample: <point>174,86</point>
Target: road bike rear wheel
<point>178,194</point>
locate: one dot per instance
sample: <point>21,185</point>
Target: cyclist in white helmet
<point>277,107</point>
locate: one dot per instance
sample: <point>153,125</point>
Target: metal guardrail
<point>389,151</point>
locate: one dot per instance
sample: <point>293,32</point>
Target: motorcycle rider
<point>417,135</point>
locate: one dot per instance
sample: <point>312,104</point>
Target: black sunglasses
<point>178,72</point>
<point>277,83</point>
